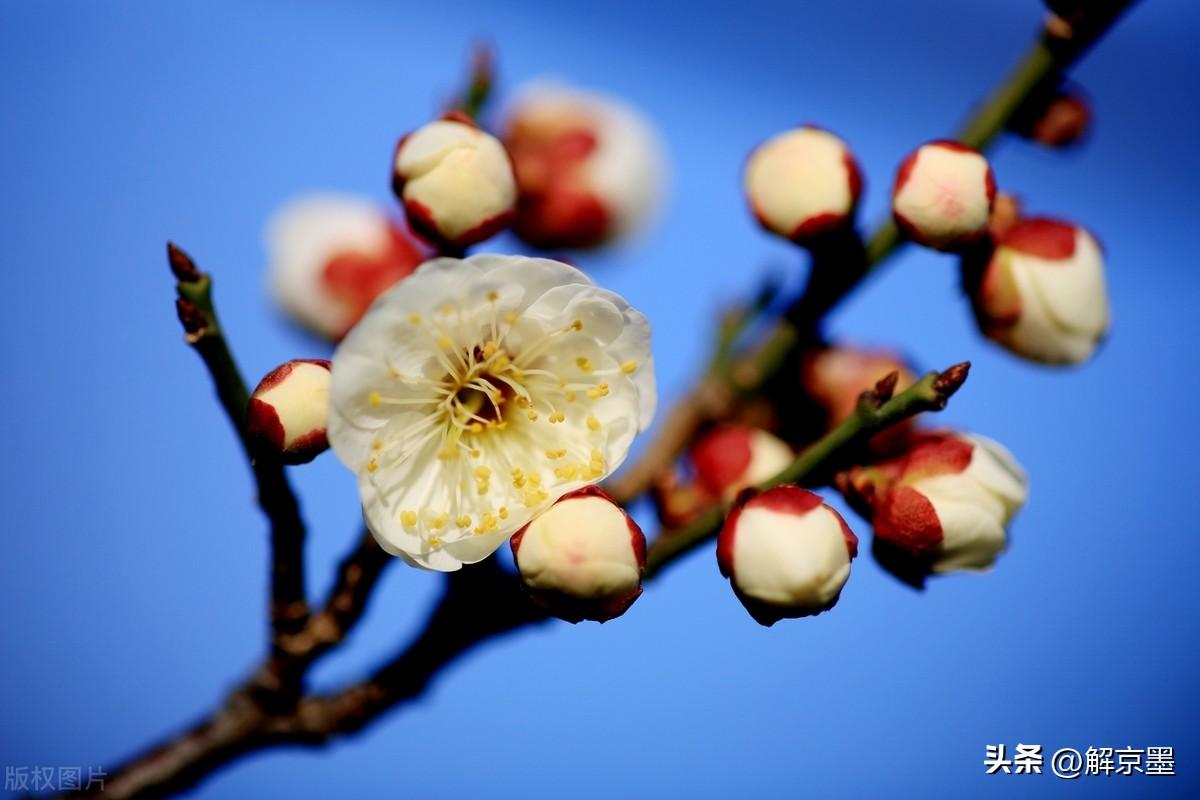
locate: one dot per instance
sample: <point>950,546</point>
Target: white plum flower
<point>479,391</point>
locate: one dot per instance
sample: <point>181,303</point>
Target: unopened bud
<point>287,411</point>
<point>1063,122</point>
<point>582,558</point>
<point>182,266</point>
<point>590,168</point>
<point>455,182</point>
<point>945,502</point>
<point>332,255</point>
<point>733,457</point>
<point>943,195</point>
<point>1042,292</point>
<point>786,553</point>
<point>803,183</point>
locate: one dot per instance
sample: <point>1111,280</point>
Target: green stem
<point>1046,61</point>
<point>289,606</point>
<point>928,394</point>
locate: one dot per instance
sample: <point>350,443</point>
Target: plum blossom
<point>478,392</point>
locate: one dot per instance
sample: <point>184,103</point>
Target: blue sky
<point>132,572</point>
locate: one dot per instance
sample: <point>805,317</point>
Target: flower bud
<point>803,183</point>
<point>837,376</point>
<point>943,195</point>
<point>331,256</point>
<point>945,502</point>
<point>1041,294</point>
<point>786,553</point>
<point>287,411</point>
<point>455,181</point>
<point>734,457</point>
<point>1060,122</point>
<point>582,558</point>
<point>589,168</point>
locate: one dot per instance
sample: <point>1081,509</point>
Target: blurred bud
<point>1042,294</point>
<point>1006,211</point>
<point>734,457</point>
<point>945,502</point>
<point>589,168</point>
<point>332,255</point>
<point>786,553</point>
<point>182,266</point>
<point>678,501</point>
<point>803,183</point>
<point>287,411</point>
<point>582,558</point>
<point>943,195</point>
<point>1060,121</point>
<point>837,376</point>
<point>455,181</point>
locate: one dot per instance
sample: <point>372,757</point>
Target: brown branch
<point>710,399</point>
<point>482,601</point>
<point>202,329</point>
<point>479,602</point>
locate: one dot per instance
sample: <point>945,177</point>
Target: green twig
<point>875,411</point>
<point>202,329</point>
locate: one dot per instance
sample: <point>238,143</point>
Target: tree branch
<point>483,601</point>
<point>202,329</point>
<point>479,602</point>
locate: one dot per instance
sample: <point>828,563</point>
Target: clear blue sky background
<point>132,569</point>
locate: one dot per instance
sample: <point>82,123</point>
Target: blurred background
<point>132,574</point>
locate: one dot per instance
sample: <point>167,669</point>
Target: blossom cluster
<point>486,399</point>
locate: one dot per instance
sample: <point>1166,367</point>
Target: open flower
<point>479,391</point>
<point>589,167</point>
<point>331,255</point>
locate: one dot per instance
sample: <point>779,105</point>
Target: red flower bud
<point>287,411</point>
<point>733,457</point>
<point>943,195</point>
<point>785,553</point>
<point>582,558</point>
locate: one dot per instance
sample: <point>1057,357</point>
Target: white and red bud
<point>943,195</point>
<point>287,411</point>
<point>331,256</point>
<point>803,183</point>
<point>837,376</point>
<point>582,558</point>
<point>589,167</point>
<point>786,553</point>
<point>945,502</point>
<point>1042,294</point>
<point>734,457</point>
<point>455,181</point>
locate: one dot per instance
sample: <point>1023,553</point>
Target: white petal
<point>1073,291</point>
<point>971,537</point>
<point>303,236</point>
<point>995,468</point>
<point>790,560</point>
